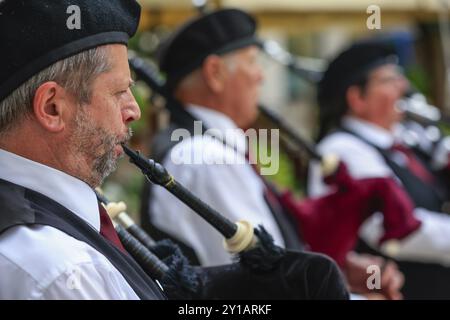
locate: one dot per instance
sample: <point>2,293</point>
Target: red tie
<point>413,164</point>
<point>107,229</point>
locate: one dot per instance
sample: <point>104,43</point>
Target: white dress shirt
<point>431,242</point>
<point>232,188</point>
<point>42,262</point>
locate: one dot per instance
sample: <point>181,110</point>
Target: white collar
<point>372,133</point>
<point>68,191</point>
<point>233,136</point>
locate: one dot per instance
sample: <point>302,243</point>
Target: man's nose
<point>131,112</point>
<point>403,83</point>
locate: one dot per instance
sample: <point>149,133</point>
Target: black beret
<point>37,33</point>
<point>351,66</point>
<point>218,32</point>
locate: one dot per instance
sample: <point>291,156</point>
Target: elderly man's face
<point>101,126</point>
<point>243,84</point>
<point>385,86</point>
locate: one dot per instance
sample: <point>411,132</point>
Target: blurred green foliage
<point>285,177</point>
<point>419,79</point>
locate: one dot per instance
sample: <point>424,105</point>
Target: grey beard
<point>88,139</point>
<point>104,165</point>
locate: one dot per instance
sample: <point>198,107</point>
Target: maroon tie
<point>107,229</point>
<point>413,164</point>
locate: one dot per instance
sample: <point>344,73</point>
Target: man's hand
<point>356,272</point>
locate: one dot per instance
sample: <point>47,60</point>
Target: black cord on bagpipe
<point>162,261</point>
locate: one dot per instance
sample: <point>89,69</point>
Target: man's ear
<point>355,100</point>
<point>214,73</point>
<point>50,104</point>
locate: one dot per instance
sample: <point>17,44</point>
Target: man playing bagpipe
<point>358,95</point>
<point>65,110</point>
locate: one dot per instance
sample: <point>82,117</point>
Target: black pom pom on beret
<point>218,32</point>
<point>37,33</point>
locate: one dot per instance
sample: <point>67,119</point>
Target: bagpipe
<point>162,260</point>
<point>262,270</point>
<point>339,214</point>
<point>425,130</point>
<point>309,69</point>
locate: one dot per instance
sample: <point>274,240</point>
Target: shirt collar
<point>232,135</point>
<point>68,191</point>
<point>372,133</point>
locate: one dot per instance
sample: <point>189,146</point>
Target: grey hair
<point>76,74</point>
<point>193,79</point>
<point>230,61</point>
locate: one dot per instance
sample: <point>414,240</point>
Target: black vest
<point>22,206</point>
<point>423,194</point>
<point>161,146</point>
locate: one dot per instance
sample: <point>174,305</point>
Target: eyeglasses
<point>388,77</point>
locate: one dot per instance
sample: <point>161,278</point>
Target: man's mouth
<point>118,150</point>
